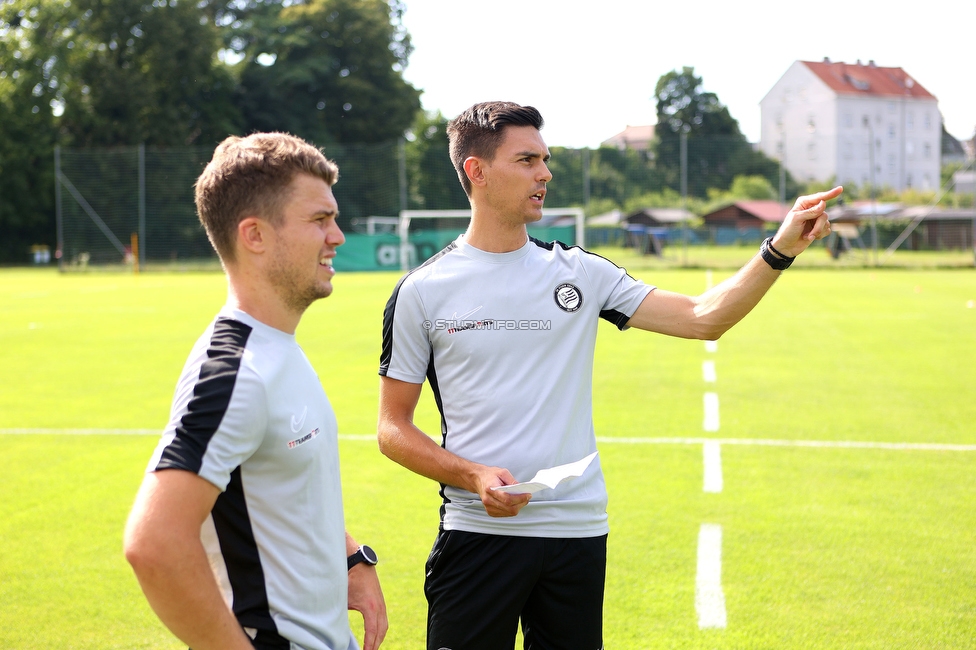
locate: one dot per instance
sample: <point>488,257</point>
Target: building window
<point>910,121</point>
<point>891,163</point>
<point>891,131</point>
<point>848,149</point>
<point>848,120</point>
<point>927,150</point>
<point>891,107</point>
<point>812,124</point>
<point>812,151</point>
<point>910,149</point>
<point>927,121</point>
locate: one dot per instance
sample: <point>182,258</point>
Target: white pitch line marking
<point>711,412</point>
<point>82,432</point>
<point>712,456</point>
<point>623,440</point>
<point>133,432</point>
<point>708,372</point>
<point>711,346</point>
<point>765,442</point>
<point>709,597</point>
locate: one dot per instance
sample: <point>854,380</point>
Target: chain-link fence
<point>127,204</point>
<point>135,205</point>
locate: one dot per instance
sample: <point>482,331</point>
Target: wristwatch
<point>363,554</point>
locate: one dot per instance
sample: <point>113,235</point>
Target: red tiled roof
<point>772,211</point>
<point>635,136</point>
<point>858,79</point>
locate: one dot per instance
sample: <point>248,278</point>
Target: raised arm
<point>714,312</point>
<point>162,543</point>
<point>401,441</point>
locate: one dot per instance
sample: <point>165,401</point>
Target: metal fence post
<point>59,252</point>
<point>402,160</point>
<point>142,205</point>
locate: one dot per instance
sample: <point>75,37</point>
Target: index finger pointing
<point>807,202</point>
<point>832,194</point>
<point>828,195</point>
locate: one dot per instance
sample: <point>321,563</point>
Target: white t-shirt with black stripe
<point>506,341</point>
<point>250,416</point>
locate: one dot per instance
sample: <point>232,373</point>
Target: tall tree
<point>327,70</point>
<point>31,83</point>
<point>683,104</point>
<point>716,149</point>
<point>147,71</point>
<point>433,182</point>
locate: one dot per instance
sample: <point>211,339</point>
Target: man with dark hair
<point>476,132</point>
<point>504,327</point>
<point>237,535</point>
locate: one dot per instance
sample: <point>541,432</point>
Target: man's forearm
<point>185,597</point>
<point>728,302</point>
<point>162,543</point>
<point>406,444</point>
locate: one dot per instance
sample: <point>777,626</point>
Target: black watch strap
<point>773,257</point>
<point>363,554</point>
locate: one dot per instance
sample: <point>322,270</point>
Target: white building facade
<point>837,120</point>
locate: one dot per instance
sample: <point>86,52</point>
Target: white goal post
<point>551,217</point>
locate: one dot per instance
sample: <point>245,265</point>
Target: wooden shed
<point>743,215</point>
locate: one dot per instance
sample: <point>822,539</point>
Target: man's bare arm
<point>162,543</point>
<point>714,312</point>
<point>366,597</point>
<point>401,441</point>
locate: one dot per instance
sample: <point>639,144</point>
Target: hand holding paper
<point>549,478</point>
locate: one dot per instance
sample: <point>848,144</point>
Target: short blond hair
<point>251,176</point>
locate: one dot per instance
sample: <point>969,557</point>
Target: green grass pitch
<point>823,547</point>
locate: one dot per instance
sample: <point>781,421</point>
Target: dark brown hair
<point>479,130</point>
<point>250,177</point>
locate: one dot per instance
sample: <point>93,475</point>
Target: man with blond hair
<point>237,535</point>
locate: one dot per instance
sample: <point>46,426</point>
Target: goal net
<point>425,232</point>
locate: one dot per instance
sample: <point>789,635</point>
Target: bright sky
<point>591,66</point>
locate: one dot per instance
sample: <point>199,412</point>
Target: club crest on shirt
<point>568,297</point>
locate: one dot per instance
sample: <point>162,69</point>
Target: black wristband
<point>776,252</point>
<point>769,255</point>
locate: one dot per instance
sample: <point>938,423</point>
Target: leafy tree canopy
<point>432,182</point>
<point>684,105</point>
<point>331,70</point>
<point>715,148</point>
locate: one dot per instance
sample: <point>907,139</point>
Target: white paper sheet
<point>549,478</point>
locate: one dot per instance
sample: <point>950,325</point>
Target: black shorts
<point>479,586</point>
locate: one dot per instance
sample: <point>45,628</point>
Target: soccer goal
<point>424,232</point>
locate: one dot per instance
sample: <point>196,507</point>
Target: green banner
<point>382,252</point>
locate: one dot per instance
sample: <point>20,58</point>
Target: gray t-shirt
<point>506,341</point>
<point>250,416</point>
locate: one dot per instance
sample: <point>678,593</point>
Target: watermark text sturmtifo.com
<point>453,326</point>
